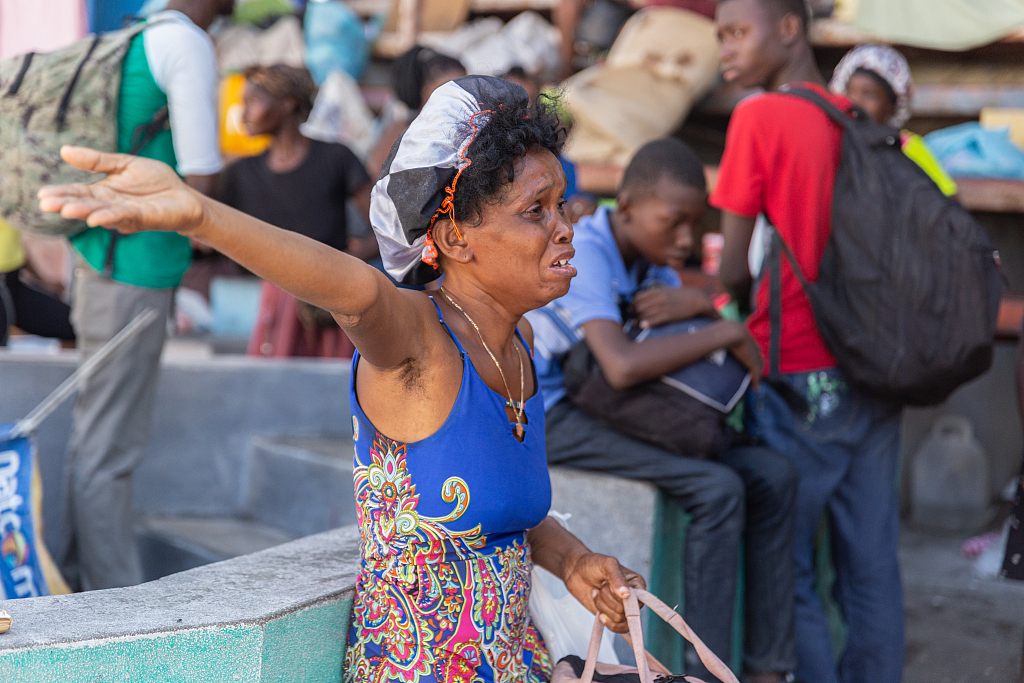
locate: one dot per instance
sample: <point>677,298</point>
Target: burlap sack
<point>664,60</point>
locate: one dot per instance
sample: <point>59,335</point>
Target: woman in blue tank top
<point>452,489</point>
<point>444,523</point>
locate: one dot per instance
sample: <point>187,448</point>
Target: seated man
<point>746,496</point>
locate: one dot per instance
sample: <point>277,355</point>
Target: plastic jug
<point>950,488</point>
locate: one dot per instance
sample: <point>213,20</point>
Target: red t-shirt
<point>705,7</point>
<point>781,157</point>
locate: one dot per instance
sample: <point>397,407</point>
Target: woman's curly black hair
<point>512,129</point>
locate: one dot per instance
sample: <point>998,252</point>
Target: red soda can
<point>711,252</point>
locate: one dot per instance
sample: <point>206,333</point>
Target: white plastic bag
<point>340,114</point>
<point>562,621</point>
<point>486,46</point>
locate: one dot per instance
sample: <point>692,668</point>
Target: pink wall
<point>40,25</point>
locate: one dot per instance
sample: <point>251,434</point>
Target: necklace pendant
<point>519,430</point>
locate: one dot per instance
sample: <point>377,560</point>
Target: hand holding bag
<point>573,670</point>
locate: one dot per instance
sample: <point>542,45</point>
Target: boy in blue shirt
<point>745,497</point>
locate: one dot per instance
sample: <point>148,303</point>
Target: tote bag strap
<point>715,665</point>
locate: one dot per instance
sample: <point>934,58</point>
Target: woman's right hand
<point>137,194</point>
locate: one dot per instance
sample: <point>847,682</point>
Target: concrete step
<point>301,485</point>
<point>169,545</point>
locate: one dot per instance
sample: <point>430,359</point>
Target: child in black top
<point>301,185</point>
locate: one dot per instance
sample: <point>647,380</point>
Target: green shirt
<point>155,260</point>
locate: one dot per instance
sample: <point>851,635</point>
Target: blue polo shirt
<point>601,284</point>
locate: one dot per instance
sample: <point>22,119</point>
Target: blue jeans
<point>845,449</point>
<point>745,498</point>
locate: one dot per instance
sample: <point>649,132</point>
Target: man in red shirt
<point>781,158</point>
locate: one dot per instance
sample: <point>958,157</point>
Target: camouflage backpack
<point>66,97</point>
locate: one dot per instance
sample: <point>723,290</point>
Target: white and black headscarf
<point>888,66</point>
<point>418,181</point>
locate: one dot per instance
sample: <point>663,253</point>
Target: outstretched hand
<point>137,194</point>
<point>600,583</point>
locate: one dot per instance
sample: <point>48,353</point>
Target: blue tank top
<point>445,566</point>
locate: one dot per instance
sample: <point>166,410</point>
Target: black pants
<point>34,311</point>
<point>745,498</point>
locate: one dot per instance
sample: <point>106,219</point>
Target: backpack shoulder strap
<point>832,111</point>
<point>777,249</point>
<point>792,261</point>
<point>126,35</point>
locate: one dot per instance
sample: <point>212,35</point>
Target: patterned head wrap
<point>418,181</point>
<point>889,65</point>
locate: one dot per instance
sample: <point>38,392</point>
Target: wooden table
<point>991,194</point>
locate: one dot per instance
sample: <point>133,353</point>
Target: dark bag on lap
<point>683,412</point>
<point>909,285</point>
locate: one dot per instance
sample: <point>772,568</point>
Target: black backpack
<point>909,285</point>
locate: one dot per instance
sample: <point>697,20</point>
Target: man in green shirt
<point>169,64</point>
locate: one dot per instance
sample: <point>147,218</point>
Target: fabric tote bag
<point>572,669</point>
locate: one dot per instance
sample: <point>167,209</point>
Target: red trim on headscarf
<point>448,205</point>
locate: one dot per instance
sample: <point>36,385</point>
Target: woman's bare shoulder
<point>411,398</point>
<point>400,327</point>
<point>410,342</point>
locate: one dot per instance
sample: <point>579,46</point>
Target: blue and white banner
<point>21,574</point>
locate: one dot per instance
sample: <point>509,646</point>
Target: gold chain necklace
<point>517,411</point>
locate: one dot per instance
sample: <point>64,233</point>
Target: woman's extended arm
<point>142,194</point>
<point>598,581</point>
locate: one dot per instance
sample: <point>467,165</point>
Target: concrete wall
<point>270,617</point>
<point>990,403</point>
<point>207,413</point>
<point>610,515</point>
<point>209,410</point>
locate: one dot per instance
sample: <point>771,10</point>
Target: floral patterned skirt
<point>462,621</point>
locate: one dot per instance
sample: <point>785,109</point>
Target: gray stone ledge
<point>69,358</point>
<point>252,589</point>
<point>206,413</point>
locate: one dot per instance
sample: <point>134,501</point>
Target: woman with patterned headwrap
<point>451,480</point>
<point>877,79</point>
